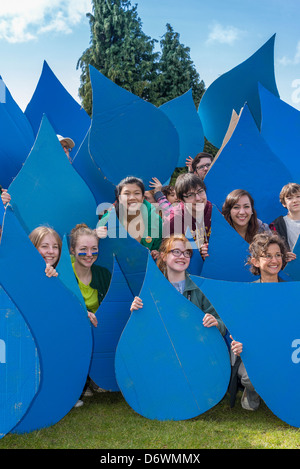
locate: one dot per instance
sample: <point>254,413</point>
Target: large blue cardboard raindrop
<point>57,321</point>
<point>281,130</point>
<point>182,112</point>
<point>233,89</point>
<point>65,115</point>
<point>48,190</point>
<point>247,162</point>
<point>128,135</point>
<point>102,189</point>
<point>17,137</point>
<point>228,252</point>
<point>253,312</point>
<point>168,365</point>
<point>19,365</point>
<point>292,269</point>
<point>112,315</point>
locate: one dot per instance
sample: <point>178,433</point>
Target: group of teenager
<point>158,219</point>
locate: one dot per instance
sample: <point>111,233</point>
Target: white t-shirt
<point>293,230</point>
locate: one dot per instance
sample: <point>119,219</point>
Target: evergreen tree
<point>118,49</point>
<point>177,73</point>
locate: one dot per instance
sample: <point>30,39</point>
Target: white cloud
<point>224,34</point>
<point>295,60</point>
<point>22,21</point>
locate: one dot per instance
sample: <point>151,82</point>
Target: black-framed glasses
<point>177,253</point>
<point>203,166</point>
<point>192,195</point>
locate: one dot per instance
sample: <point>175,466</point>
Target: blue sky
<point>221,34</point>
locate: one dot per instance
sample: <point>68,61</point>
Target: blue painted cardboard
<point>127,127</point>
<point>182,112</point>
<point>19,365</point>
<point>58,323</point>
<point>48,190</point>
<point>168,365</point>
<point>263,316</point>
<point>292,269</point>
<point>237,168</point>
<point>280,128</point>
<point>228,252</point>
<point>17,137</point>
<point>235,88</point>
<point>113,314</point>
<point>65,115</point>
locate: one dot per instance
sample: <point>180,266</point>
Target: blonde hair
<point>38,234</point>
<point>166,247</point>
<point>80,230</point>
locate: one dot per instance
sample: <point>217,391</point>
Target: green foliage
<point>121,51</point>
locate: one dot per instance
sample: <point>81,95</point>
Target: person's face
<point>196,200</point>
<point>131,197</point>
<point>149,197</point>
<point>86,250</point>
<point>172,197</point>
<point>292,202</point>
<point>241,212</point>
<point>271,262</point>
<point>49,249</point>
<point>66,149</point>
<point>177,263</point>
<point>203,167</point>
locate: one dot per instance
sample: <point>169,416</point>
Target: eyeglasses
<point>178,252</point>
<point>203,166</point>
<point>192,195</point>
<point>269,256</point>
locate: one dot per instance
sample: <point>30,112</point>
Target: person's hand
<point>204,250</point>
<point>290,256</point>
<point>155,184</point>
<point>5,196</point>
<point>92,318</point>
<point>154,254</point>
<point>50,271</point>
<point>209,320</point>
<point>101,232</point>
<point>136,304</point>
<point>188,163</point>
<point>236,347</point>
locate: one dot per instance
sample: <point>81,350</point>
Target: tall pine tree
<point>177,73</point>
<point>119,50</point>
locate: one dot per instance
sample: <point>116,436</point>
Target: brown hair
<point>198,157</point>
<point>38,234</point>
<point>233,198</point>
<point>166,247</point>
<point>80,230</point>
<point>260,245</point>
<point>187,181</point>
<point>289,189</point>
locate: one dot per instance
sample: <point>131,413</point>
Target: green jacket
<point>152,236</point>
<point>195,295</point>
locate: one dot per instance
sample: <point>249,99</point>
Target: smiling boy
<point>288,226</point>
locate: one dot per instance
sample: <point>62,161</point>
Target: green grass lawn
<point>106,421</point>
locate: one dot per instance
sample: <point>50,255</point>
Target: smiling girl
<point>174,260</point>
<point>48,243</point>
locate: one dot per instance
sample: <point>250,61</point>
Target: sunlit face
<point>176,264</point>
<point>86,250</point>
<point>49,249</point>
<point>241,212</point>
<point>203,167</point>
<point>131,197</point>
<point>270,263</point>
<point>195,200</point>
<point>292,202</point>
<point>149,197</point>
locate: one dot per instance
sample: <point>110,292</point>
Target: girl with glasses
<point>174,260</point>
